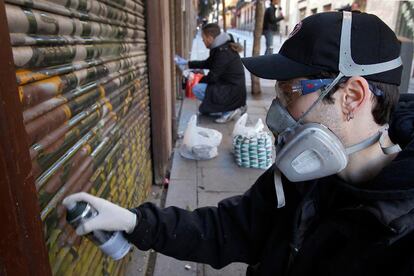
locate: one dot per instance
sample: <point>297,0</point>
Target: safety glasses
<point>304,87</point>
<point>289,91</point>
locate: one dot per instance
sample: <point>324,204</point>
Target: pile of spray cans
<point>253,152</point>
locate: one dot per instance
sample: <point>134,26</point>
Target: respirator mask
<point>310,151</point>
<point>306,151</point>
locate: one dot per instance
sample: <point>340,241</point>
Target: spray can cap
<point>75,210</point>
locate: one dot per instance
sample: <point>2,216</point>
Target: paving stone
<point>225,180</point>
<point>165,265</point>
<point>182,168</point>
<point>138,263</point>
<point>182,193</point>
<point>224,159</point>
<point>256,110</point>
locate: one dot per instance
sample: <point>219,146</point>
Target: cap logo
<point>296,29</point>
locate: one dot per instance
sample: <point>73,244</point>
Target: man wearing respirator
<point>339,199</point>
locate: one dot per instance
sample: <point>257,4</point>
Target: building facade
<point>230,13</point>
<point>245,15</point>
<point>398,15</point>
<point>388,11</point>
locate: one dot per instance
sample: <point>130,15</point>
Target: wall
<point>386,10</point>
<point>245,16</point>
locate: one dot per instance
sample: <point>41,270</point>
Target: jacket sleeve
<point>235,231</point>
<point>219,64</point>
<point>402,121</point>
<point>199,64</point>
<point>279,18</point>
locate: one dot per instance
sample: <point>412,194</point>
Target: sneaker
<point>228,116</point>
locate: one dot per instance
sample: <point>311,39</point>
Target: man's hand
<point>180,61</point>
<point>279,14</point>
<point>111,217</point>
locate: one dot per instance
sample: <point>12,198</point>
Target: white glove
<point>111,217</point>
<point>187,72</point>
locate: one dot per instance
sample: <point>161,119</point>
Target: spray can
<point>112,244</point>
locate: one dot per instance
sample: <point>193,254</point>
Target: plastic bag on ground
<point>240,127</point>
<point>200,143</point>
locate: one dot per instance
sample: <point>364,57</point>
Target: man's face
<point>207,39</point>
<point>275,2</point>
<point>297,104</point>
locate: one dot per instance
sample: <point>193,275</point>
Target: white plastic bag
<point>200,143</point>
<point>240,127</point>
<point>252,146</point>
<point>188,73</point>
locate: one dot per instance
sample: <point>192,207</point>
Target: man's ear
<point>355,93</point>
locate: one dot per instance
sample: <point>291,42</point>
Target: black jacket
<point>327,226</point>
<point>226,84</point>
<point>270,21</point>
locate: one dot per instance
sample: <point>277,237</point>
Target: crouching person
<point>223,90</point>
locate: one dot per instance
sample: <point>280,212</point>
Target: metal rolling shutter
<point>82,75</point>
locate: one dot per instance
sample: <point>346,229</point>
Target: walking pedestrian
<point>273,15</point>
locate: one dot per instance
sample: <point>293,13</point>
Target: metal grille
<point>82,75</point>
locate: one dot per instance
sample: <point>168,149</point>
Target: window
<point>315,10</point>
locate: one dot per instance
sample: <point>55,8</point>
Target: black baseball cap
<point>314,46</point>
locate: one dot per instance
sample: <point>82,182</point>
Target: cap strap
<point>347,65</point>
